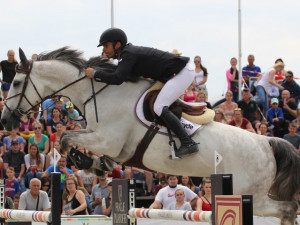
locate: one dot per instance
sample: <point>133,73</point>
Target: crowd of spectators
<point>27,153</point>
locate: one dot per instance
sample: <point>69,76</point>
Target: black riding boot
<point>188,146</point>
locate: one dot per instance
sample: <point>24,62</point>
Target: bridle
<point>19,112</point>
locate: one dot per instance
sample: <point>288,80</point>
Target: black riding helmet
<point>113,35</point>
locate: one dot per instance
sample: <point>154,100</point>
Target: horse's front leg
<point>86,139</point>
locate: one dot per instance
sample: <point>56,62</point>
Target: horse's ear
<point>23,58</point>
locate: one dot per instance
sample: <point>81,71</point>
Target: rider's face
<point>108,49</point>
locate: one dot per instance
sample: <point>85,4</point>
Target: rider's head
<point>112,40</point>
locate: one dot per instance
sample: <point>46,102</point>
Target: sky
<point>208,28</point>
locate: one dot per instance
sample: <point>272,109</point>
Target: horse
<point>267,168</point>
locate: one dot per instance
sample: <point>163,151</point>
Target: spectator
<point>250,72</point>
<point>107,202</point>
<point>180,203</point>
<point>12,185</point>
<point>189,95</point>
<point>200,75</point>
<point>140,174</point>
<point>1,147</point>
<point>279,76</point>
<point>26,128</point>
<point>85,179</point>
<point>61,167</point>
<point>50,155</point>
<point>263,129</point>
<point>16,201</point>
<point>297,121</point>
<point>275,117</point>
<point>228,106</point>
<point>219,116</point>
<point>292,136</point>
<point>39,138</point>
<point>34,199</point>
<point>204,202</point>
<point>73,115</point>
<point>165,196</point>
<point>15,159</point>
<point>239,121</point>
<point>8,72</point>
<point>232,76</point>
<point>56,117</point>
<point>288,106</point>
<point>46,185</point>
<point>76,203</point>
<point>264,85</point>
<point>47,107</point>
<point>99,192</point>
<point>201,97</point>
<point>13,135</point>
<point>34,162</point>
<point>187,181</point>
<point>290,84</point>
<point>56,136</point>
<point>162,183</point>
<point>249,108</point>
<point>60,105</point>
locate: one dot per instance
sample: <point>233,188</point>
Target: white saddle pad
<point>190,127</point>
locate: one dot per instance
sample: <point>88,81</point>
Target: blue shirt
<point>275,113</point>
<point>62,176</point>
<point>252,69</point>
<point>48,103</point>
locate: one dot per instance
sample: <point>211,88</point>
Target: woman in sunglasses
<point>40,139</point>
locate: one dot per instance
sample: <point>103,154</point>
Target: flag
<point>55,158</point>
<point>218,158</point>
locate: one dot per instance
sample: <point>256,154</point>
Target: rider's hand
<point>89,72</point>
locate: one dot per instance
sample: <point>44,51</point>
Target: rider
<point>134,61</point>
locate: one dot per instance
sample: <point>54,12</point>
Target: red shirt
<point>244,123</point>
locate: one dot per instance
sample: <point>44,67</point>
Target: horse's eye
<point>16,83</point>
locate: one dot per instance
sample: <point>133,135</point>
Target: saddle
<point>193,112</point>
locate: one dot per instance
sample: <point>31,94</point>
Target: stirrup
<point>173,149</point>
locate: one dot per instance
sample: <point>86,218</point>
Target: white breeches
<point>174,88</point>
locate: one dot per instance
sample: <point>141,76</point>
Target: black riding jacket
<point>136,61</point>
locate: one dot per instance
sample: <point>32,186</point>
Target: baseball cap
<point>15,141</point>
<point>274,100</point>
<point>69,105</point>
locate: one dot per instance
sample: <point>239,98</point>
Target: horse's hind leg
<point>285,210</point>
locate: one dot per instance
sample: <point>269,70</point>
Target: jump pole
<point>178,215</point>
<point>55,198</point>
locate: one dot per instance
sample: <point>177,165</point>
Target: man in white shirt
<point>166,196</point>
<point>34,199</point>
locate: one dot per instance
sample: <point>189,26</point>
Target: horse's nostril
<point>3,121</point>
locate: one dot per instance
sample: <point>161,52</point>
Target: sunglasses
<point>288,76</point>
<point>38,128</point>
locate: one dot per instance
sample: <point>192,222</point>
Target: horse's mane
<point>74,57</point>
<point>64,54</point>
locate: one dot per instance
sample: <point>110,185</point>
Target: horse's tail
<point>287,180</point>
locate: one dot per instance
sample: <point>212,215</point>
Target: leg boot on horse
<point>188,146</point>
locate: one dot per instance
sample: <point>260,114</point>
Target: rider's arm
<point>123,70</point>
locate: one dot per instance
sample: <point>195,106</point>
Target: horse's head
<point>20,89</point>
